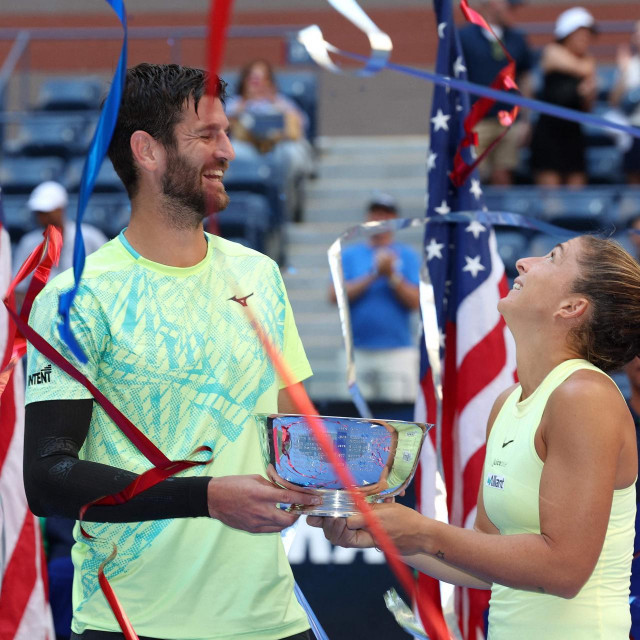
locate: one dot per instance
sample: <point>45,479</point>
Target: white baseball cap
<point>48,196</point>
<point>571,20</point>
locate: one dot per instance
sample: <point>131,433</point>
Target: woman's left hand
<point>408,529</point>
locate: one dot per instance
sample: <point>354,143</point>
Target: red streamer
<point>41,259</point>
<point>219,15</point>
<point>505,80</point>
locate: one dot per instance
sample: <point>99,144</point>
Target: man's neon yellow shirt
<point>173,349</point>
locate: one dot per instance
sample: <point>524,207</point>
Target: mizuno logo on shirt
<point>241,301</point>
<point>495,481</point>
<point>41,376</point>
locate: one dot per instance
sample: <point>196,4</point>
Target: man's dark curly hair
<point>153,100</point>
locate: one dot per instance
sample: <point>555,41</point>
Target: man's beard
<point>185,200</point>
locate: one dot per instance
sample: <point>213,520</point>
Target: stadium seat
<point>597,136</point>
<point>107,180</point>
<point>256,176</point>
<point>523,200</point>
<point>604,165</point>
<point>19,174</point>
<point>624,238</point>
<point>69,94</point>
<point>587,209</point>
<point>541,244</point>
<point>296,52</point>
<point>302,86</point>
<point>50,134</point>
<point>606,79</point>
<point>512,245</point>
<point>621,379</point>
<point>16,217</point>
<point>628,206</point>
<point>109,212</point>
<point>248,217</point>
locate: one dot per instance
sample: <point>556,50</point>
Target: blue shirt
<point>485,59</point>
<point>379,320</point>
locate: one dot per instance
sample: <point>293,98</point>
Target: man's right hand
<point>249,503</point>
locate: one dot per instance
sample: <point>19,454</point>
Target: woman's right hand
<point>336,531</point>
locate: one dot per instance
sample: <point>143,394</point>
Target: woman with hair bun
<point>554,530</point>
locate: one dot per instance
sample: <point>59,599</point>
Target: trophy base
<point>336,503</point>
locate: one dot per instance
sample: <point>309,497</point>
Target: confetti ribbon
<point>219,16</point>
<point>39,262</point>
<point>318,48</point>
<point>503,96</point>
<point>506,79</point>
<point>97,152</point>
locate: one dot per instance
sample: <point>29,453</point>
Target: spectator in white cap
<point>626,97</point>
<point>558,147</point>
<point>48,203</point>
<point>381,281</point>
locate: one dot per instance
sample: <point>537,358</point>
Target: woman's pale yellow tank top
<point>511,484</point>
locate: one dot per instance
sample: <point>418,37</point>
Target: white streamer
<point>318,48</point>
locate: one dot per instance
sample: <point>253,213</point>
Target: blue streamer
<point>505,96</point>
<point>313,621</point>
<point>507,219</point>
<point>97,152</point>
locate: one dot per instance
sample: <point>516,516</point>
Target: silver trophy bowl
<point>382,456</point>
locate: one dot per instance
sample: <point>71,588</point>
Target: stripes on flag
<point>24,608</point>
<point>478,353</point>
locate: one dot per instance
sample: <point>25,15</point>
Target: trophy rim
<point>427,425</point>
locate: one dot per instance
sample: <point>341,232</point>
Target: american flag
<point>24,609</point>
<point>477,351</point>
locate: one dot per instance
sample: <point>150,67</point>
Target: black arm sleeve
<point>58,483</point>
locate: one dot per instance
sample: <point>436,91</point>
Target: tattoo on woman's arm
<point>440,555</point>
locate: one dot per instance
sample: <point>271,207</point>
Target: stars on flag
<point>458,67</point>
<point>434,249</point>
<point>431,160</point>
<point>440,121</point>
<point>441,27</point>
<point>473,266</point>
<point>476,228</point>
<point>443,209</point>
<point>475,188</point>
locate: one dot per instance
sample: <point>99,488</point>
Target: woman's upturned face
<point>542,283</point>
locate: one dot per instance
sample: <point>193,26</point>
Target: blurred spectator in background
<point>558,147</point>
<point>625,96</point>
<point>484,58</point>
<point>48,203</point>
<point>381,282</point>
<point>262,117</point>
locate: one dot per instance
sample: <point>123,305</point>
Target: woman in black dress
<point>558,146</point>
